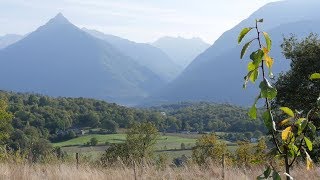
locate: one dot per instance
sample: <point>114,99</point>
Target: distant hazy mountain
<point>217,74</point>
<point>9,39</point>
<point>182,51</point>
<point>60,59</point>
<point>145,54</point>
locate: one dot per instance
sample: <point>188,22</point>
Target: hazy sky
<point>138,20</point>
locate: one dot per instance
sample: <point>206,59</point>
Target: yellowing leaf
<point>265,50</point>
<point>309,163</point>
<point>284,122</point>
<point>268,40</point>
<point>285,133</point>
<point>269,60</point>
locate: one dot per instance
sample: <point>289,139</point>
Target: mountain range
<point>144,54</point>
<point>217,74</point>
<point>182,51</point>
<point>59,59</point>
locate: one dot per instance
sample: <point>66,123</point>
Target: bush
<point>183,146</point>
<point>93,141</point>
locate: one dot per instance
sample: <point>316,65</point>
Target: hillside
<point>49,116</point>
<point>182,51</point>
<point>217,74</point>
<point>144,54</point>
<point>210,117</point>
<point>59,59</point>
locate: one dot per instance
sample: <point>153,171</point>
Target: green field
<point>169,144</point>
<point>79,141</point>
<point>164,142</point>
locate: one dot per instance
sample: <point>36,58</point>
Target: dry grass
<point>65,172</point>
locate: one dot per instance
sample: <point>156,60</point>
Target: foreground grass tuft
<point>69,171</point>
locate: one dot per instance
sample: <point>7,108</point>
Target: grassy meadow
<point>169,144</point>
<point>119,172</point>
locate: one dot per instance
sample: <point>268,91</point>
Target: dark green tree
<point>90,119</point>
<point>295,89</point>
<point>110,126</point>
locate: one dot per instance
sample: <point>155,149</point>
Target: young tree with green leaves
<point>141,139</point>
<point>209,148</point>
<point>292,136</point>
<point>139,145</point>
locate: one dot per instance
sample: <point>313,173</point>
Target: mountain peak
<point>59,19</point>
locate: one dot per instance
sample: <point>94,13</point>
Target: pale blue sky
<point>138,20</point>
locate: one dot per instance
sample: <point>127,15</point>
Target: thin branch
<point>301,142</point>
<point>266,99</point>
<point>299,149</point>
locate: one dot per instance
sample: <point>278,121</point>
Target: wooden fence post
<point>223,166</point>
<point>77,158</point>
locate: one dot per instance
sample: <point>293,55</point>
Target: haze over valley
<point>61,59</point>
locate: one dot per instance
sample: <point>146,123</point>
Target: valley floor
<point>169,144</point>
<point>66,172</point>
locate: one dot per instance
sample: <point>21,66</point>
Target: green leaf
<point>246,79</point>
<point>288,111</point>
<point>301,123</point>
<point>267,118</point>
<point>308,143</point>
<point>267,91</point>
<point>276,176</point>
<point>295,149</point>
<point>267,172</point>
<point>254,75</point>
<point>243,33</point>
<point>257,57</point>
<point>251,66</point>
<point>312,127</point>
<point>253,110</point>
<point>315,76</point>
<point>244,49</point>
<point>268,40</point>
<point>259,20</point>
